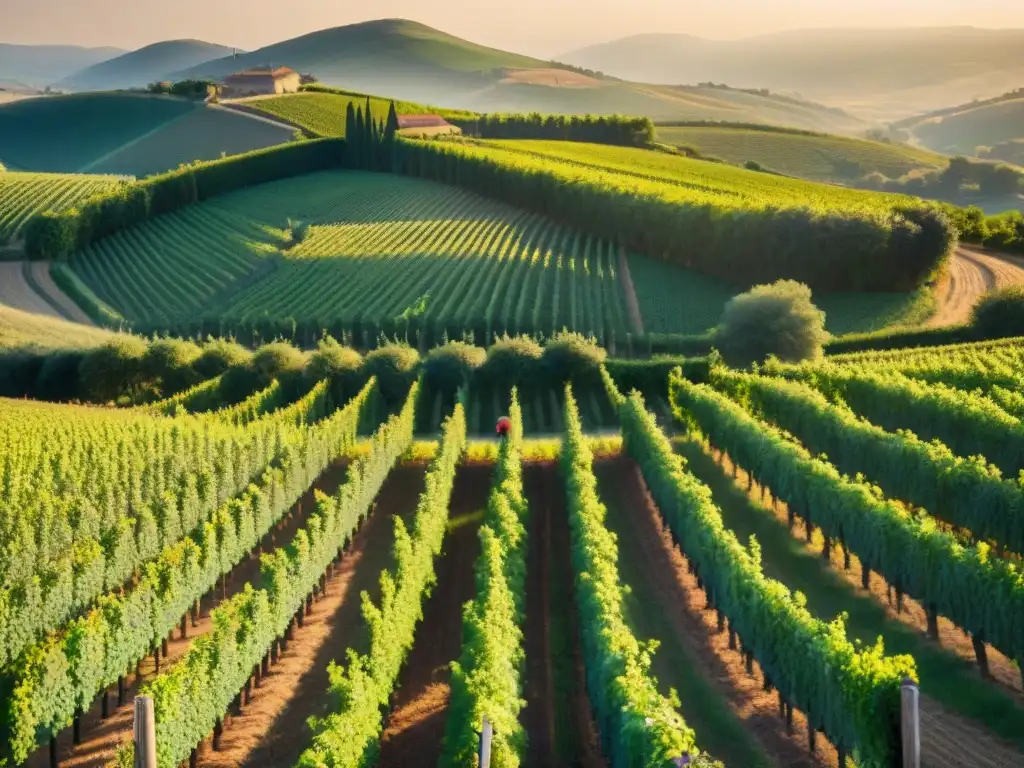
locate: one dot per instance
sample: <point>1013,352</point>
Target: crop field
<point>23,195</point>
<point>66,134</point>
<point>677,178</point>
<point>814,157</point>
<point>203,134</point>
<point>557,563</point>
<point>379,248</point>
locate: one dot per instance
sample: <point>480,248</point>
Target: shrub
<point>571,356</point>
<point>114,369</point>
<point>777,319</point>
<point>1000,313</point>
<point>218,356</point>
<point>513,360</point>
<point>169,362</point>
<point>277,360</point>
<point>451,365</point>
<point>58,379</point>
<point>339,364</point>
<point>394,365</point>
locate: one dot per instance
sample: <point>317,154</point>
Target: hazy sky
<point>539,27</point>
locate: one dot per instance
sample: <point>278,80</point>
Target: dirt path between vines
<point>415,727</point>
<point>272,730</point>
<point>73,312</point>
<point>17,293</point>
<point>973,273</point>
<point>558,719</point>
<point>101,737</point>
<point>675,596</point>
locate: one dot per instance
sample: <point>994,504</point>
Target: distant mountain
<point>886,73</point>
<point>146,65</point>
<point>407,60</point>
<point>42,65</point>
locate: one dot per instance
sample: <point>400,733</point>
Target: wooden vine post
<point>910,723</point>
<point>145,733</point>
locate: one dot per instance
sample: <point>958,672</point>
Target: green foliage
<point>652,202</point>
<point>24,195</point>
<point>169,363</point>
<point>452,365</point>
<point>348,736</point>
<point>58,236</point>
<point>777,319</point>
<point>969,494</point>
<point>487,678</point>
<point>338,364</point>
<point>850,693</point>
<point>219,355</point>
<point>603,129</point>
<point>513,361</point>
<point>1000,313</point>
<point>394,365</point>
<point>638,726</point>
<point>116,367</point>
<point>68,668</point>
<point>570,356</point>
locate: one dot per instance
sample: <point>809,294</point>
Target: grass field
<point>22,195</point>
<point>679,178</point>
<point>68,133</point>
<point>29,330</point>
<point>817,157</point>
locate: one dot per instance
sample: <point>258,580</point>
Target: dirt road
<point>972,274</point>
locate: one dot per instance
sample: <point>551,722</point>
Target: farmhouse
<point>261,81</point>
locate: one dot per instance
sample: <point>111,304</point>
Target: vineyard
<point>797,542</point>
<point>23,195</point>
<point>818,157</point>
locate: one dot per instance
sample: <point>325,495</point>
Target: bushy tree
<point>513,360</point>
<point>218,355</point>
<point>451,365</point>
<point>168,363</point>
<point>115,369</point>
<point>339,364</point>
<point>571,356</point>
<point>1000,313</point>
<point>58,378</point>
<point>777,319</point>
<point>394,365</point>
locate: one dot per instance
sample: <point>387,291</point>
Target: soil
<point>558,719</point>
<point>415,728</point>
<point>636,318</point>
<point>16,292</point>
<point>972,273</point>
<point>272,730</point>
<point>947,738</point>
<point>41,274</point>
<point>683,604</point>
<point>101,737</point>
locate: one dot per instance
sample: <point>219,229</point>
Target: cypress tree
<point>359,145</point>
<point>392,125</point>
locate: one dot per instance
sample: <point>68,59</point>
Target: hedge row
<point>56,235</point>
<point>348,737</point>
<point>600,129</point>
<point>892,249</point>
<point>638,726</point>
<point>970,494</point>
<point>849,693</point>
<point>982,594</point>
<point>56,679</point>
<point>195,694</point>
<point>487,679</point>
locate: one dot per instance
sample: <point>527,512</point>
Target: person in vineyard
<point>503,427</point>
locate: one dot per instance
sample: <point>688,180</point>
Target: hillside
<point>27,330</point>
<point>22,195</point>
<point>409,61</point>
<point>146,65</point>
<point>41,65</point>
<point>967,128</point>
<point>878,73</point>
<point>124,133</point>
<point>817,157</point>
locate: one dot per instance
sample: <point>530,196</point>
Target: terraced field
<point>380,247</point>
<point>22,195</point>
<point>816,157</point>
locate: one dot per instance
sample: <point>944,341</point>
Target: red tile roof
<point>421,121</point>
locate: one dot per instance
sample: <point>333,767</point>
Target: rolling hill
<point>130,134</point>
<point>146,65</point>
<point>41,65</point>
<point>878,73</point>
<point>963,129</point>
<point>409,61</point>
<point>818,157</point>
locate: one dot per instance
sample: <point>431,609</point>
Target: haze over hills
<point>146,65</point>
<point>878,73</point>
<point>991,128</point>
<point>41,65</point>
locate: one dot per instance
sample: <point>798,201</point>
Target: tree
<point>777,319</point>
<point>350,121</point>
<point>1000,313</point>
<point>391,127</point>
